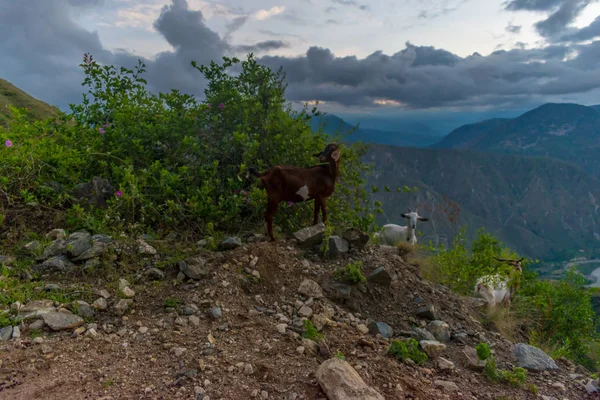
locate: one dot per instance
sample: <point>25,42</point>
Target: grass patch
<point>311,332</point>
<point>407,350</point>
<point>351,273</point>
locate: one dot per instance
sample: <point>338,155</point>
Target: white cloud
<point>261,15</point>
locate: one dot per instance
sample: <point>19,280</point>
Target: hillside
<point>231,325</point>
<point>12,95</point>
<point>333,123</point>
<point>541,207</point>
<point>570,132</point>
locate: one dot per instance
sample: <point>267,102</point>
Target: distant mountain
<point>12,95</point>
<point>540,206</point>
<point>570,132</point>
<point>333,123</point>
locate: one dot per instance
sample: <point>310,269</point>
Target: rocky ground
<point>158,320</point>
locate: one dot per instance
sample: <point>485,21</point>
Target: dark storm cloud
<point>43,46</point>
<point>562,13</point>
<point>589,32</point>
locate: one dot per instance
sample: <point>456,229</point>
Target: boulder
<point>532,358</point>
<point>340,381</point>
<point>58,321</point>
<point>337,246</point>
<point>78,243</point>
<point>440,330</point>
<point>310,288</point>
<point>310,236</point>
<point>356,237</point>
<point>380,276</point>
<point>231,243</point>
<point>382,328</point>
<point>194,268</point>
<point>432,348</point>
<point>427,312</point>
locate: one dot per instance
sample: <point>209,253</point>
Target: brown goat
<point>296,184</point>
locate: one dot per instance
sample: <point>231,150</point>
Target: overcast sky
<point>354,55</point>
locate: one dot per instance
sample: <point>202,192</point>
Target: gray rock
<point>432,348</point>
<point>382,328</point>
<point>7,260</point>
<point>102,239</point>
<point>422,334</point>
<point>35,309</point>
<point>356,237</point>
<point>51,286</point>
<point>447,386</point>
<point>6,333</point>
<point>16,333</point>
<point>144,248</point>
<point>32,247</point>
<point>339,381</point>
<point>84,309</point>
<point>94,193</point>
<point>56,234</point>
<point>445,365</point>
<point>55,264</point>
<point>78,243</point>
<point>427,312</point>
<point>122,306</point>
<point>214,312</point>
<point>38,324</point>
<point>310,236</point>
<point>319,321</point>
<point>100,304</point>
<point>58,321</point>
<point>380,276</point>
<point>310,288</point>
<point>532,358</point>
<point>97,249</point>
<point>189,309</point>
<point>56,248</point>
<point>194,268</point>
<point>154,274</point>
<point>471,360</point>
<point>305,311</point>
<point>440,330</point>
<point>337,246</point>
<point>340,291</point>
<point>231,243</point>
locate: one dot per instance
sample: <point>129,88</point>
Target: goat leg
<point>317,208</point>
<point>324,210</point>
<point>271,210</point>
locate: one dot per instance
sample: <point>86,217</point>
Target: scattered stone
<point>432,348</point>
<point>32,247</point>
<point>84,309</point>
<point>97,249</point>
<point>471,359</point>
<point>104,293</point>
<point>422,334</point>
<point>56,234</point>
<point>310,236</point>
<point>58,321</point>
<point>154,274</point>
<point>56,248</point>
<point>305,311</point>
<point>281,328</point>
<point>311,346</point>
<point>461,338</point>
<point>380,276</point>
<point>6,333</point>
<point>340,381</point>
<point>77,243</point>
<point>248,369</point>
<point>128,292</point>
<point>7,260</point>
<point>231,243</point>
<point>122,306</point>
<point>445,365</point>
<point>362,328</point>
<point>178,351</point>
<point>36,325</point>
<point>382,328</point>
<point>446,385</point>
<point>214,312</point>
<point>337,246</point>
<point>440,330</point>
<point>144,248</point>
<point>189,309</point>
<point>356,237</point>
<point>143,329</point>
<point>532,358</point>
<point>56,264</point>
<point>181,321</point>
<point>427,312</point>
<point>300,349</point>
<point>100,304</point>
<point>319,321</point>
<point>194,268</point>
<point>310,288</point>
<point>194,320</point>
<point>38,340</point>
<point>102,238</point>
<point>51,286</point>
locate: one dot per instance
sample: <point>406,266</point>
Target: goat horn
<point>408,209</point>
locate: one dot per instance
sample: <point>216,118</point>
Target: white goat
<point>494,289</point>
<point>392,234</point>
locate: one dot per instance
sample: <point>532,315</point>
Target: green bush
<point>516,377</point>
<point>176,162</point>
<point>407,350</point>
<point>311,332</point>
<point>483,351</point>
<point>351,273</point>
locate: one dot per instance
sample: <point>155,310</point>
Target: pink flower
<point>249,200</point>
<point>118,193</point>
<point>105,125</point>
<point>243,192</point>
<point>8,143</point>
<point>221,105</point>
<point>101,131</point>
<point>290,203</point>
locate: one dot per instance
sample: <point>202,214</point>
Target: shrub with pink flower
<point>118,193</point>
<point>8,143</point>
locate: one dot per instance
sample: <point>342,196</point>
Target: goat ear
<point>404,215</point>
<point>335,155</point>
<point>423,219</point>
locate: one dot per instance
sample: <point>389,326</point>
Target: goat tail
<point>253,172</point>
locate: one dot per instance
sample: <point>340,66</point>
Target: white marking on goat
<point>393,234</point>
<point>303,191</point>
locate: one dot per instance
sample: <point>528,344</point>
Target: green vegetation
<point>556,315</point>
<point>340,355</point>
<point>171,303</point>
<point>516,377</point>
<point>175,163</point>
<point>11,95</point>
<point>351,273</point>
<point>407,350</point>
<point>311,332</point>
